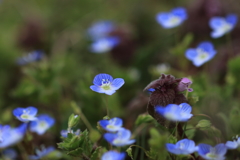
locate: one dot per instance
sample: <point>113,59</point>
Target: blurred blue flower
<point>173,112</point>
<point>212,153</point>
<point>121,138</point>
<point>184,85</point>
<point>26,114</point>
<point>10,136</point>
<point>221,25</point>
<point>104,83</point>
<point>173,18</point>
<point>30,57</point>
<point>204,52</point>
<point>113,155</point>
<point>100,29</point>
<point>43,123</point>
<point>104,44</point>
<point>184,146</point>
<point>9,154</point>
<point>111,125</point>
<point>41,153</point>
<point>64,133</point>
<point>233,144</point>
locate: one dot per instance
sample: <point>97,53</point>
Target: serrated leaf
<point>97,154</point>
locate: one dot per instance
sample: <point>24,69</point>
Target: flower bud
<point>73,120</point>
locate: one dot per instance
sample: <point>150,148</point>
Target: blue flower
<point>9,154</point>
<point>184,146</point>
<point>104,83</point>
<point>64,133</point>
<point>212,153</point>
<point>26,114</point>
<point>221,25</point>
<point>233,144</point>
<point>113,155</point>
<point>43,123</point>
<point>41,153</point>
<point>172,19</point>
<point>173,112</point>
<point>30,57</point>
<point>111,125</point>
<point>100,29</point>
<point>10,136</point>
<point>121,138</point>
<point>104,45</point>
<point>203,53</point>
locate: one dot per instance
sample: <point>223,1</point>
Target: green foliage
<point>233,76</point>
<point>98,152</point>
<point>157,143</point>
<point>204,124</point>
<point>234,118</point>
<point>73,120</point>
<point>77,145</point>
<point>129,152</point>
<point>143,118</point>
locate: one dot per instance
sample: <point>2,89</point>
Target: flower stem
<point>203,115</point>
<point>229,41</point>
<point>78,110</point>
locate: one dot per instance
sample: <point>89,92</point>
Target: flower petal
<point>191,54</point>
<point>117,83</point>
<point>232,19</point>
<point>98,78</point>
<point>180,12</point>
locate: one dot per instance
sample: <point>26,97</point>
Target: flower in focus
<point>173,112</point>
<point>172,19</point>
<point>9,154</point>
<point>43,123</point>
<point>184,85</point>
<point>100,29</point>
<point>204,52</point>
<point>104,83</point>
<point>111,125</point>
<point>104,45</point>
<point>64,133</point>
<point>113,155</point>
<point>184,146</point>
<point>25,114</point>
<point>121,138</point>
<point>41,153</point>
<point>30,57</point>
<point>233,144</point>
<point>10,136</point>
<point>212,153</point>
<point>221,25</point>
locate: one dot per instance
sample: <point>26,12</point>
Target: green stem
<point>202,115</point>
<point>138,147</point>
<point>184,129</point>
<point>229,41</point>
<point>78,110</point>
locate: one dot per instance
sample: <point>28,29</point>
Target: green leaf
<point>97,153</point>
<point>144,118</point>
<point>204,124</point>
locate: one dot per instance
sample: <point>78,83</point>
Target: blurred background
<point>64,73</point>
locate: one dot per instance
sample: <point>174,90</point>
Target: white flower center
<point>106,84</point>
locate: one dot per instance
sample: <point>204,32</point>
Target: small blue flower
<point>212,153</point>
<point>113,155</point>
<point>104,44</point>
<point>64,133</point>
<point>30,57</point>
<point>9,154</point>
<point>10,136</point>
<point>104,83</point>
<point>173,112</point>
<point>121,138</point>
<point>221,25</point>
<point>111,125</point>
<point>41,153</point>
<point>43,123</point>
<point>100,29</point>
<point>204,52</point>
<point>172,19</point>
<point>26,114</point>
<point>184,146</point>
<point>233,144</point>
